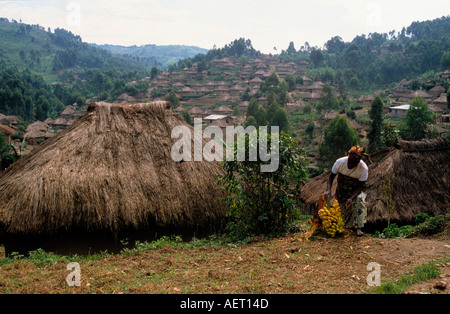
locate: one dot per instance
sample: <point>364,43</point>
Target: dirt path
<point>282,266</point>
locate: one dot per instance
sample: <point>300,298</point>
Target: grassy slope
<point>165,55</point>
<point>13,43</point>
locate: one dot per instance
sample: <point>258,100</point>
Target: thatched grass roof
<point>420,180</point>
<point>111,170</point>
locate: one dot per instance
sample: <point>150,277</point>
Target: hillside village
<point>215,95</point>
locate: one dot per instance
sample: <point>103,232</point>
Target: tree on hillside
<point>273,107</point>
<point>376,114</point>
<point>172,97</point>
<point>280,119</point>
<point>317,57</point>
<point>260,117</point>
<point>275,90</point>
<point>270,84</point>
<point>186,116</point>
<point>291,48</point>
<point>252,107</point>
<point>310,129</point>
<point>445,60</point>
<point>328,100</point>
<point>250,121</point>
<point>419,122</point>
<point>335,45</point>
<point>339,136</point>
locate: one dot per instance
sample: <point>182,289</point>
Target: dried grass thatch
<point>111,170</point>
<point>419,173</point>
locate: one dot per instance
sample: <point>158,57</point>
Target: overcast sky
<point>205,23</point>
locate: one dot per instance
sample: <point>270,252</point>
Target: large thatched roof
<point>420,180</point>
<point>111,170</point>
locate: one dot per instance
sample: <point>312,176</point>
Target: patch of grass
<point>174,241</point>
<point>401,285</point>
<point>41,258</point>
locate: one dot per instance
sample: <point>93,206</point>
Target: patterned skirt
<point>356,215</point>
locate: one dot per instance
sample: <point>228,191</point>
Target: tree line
<point>377,60</point>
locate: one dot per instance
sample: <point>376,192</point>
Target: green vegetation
<point>339,136</point>
<point>26,95</point>
<point>44,71</point>
<point>161,56</point>
<point>238,48</point>
<point>399,286</point>
<point>418,120</point>
<point>423,226</point>
<point>376,114</point>
<point>378,60</point>
<point>7,157</point>
<point>263,202</point>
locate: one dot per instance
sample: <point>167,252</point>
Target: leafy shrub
<point>394,231</point>
<point>263,203</point>
<point>429,227</point>
<point>420,218</point>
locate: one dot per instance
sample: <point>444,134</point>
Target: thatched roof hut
<point>111,170</point>
<point>419,173</point>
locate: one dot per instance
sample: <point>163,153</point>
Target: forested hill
<point>42,71</point>
<point>52,53</point>
<point>165,55</point>
<point>367,62</point>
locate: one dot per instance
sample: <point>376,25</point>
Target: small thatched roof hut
<point>419,173</point>
<point>110,171</point>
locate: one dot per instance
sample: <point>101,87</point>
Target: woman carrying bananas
<point>352,175</point>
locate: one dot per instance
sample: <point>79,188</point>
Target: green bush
<point>263,203</point>
<point>431,226</point>
<point>394,231</point>
<point>420,218</point>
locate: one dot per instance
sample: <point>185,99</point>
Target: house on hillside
<point>306,80</point>
<point>187,91</point>
<point>220,90</point>
<point>401,92</point>
<point>236,90</point>
<point>437,91</point>
<point>60,124</point>
<point>317,87</point>
<point>255,82</point>
<point>223,110</point>
<point>10,121</point>
<point>196,112</point>
<point>226,63</point>
<point>438,111</point>
<point>126,98</point>
<point>445,74</point>
<point>243,106</point>
<point>227,120</point>
<point>441,102</point>
<point>178,78</point>
<point>365,100</point>
<point>37,132</point>
<point>7,132</point>
<point>222,124</point>
<point>399,111</point>
<point>420,93</point>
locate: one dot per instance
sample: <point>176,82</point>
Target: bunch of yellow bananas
<point>332,222</point>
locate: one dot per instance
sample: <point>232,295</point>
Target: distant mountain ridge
<point>165,55</point>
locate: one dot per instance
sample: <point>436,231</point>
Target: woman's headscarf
<point>358,152</point>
